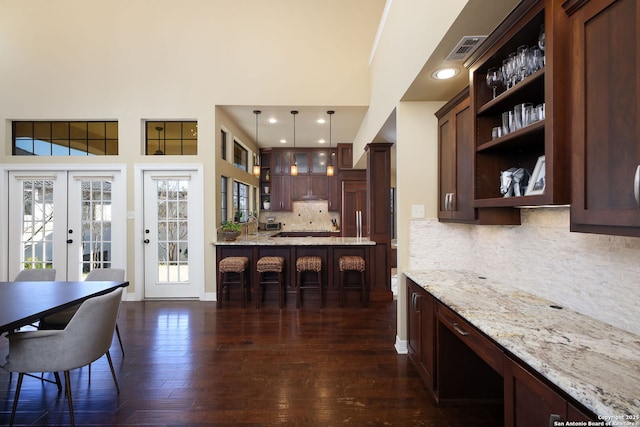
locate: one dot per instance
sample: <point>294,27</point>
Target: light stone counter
<point>267,239</point>
<point>593,362</point>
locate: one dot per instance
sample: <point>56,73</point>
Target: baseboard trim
<point>401,346</point>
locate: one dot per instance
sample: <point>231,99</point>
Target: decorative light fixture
<point>256,162</point>
<point>159,152</point>
<point>330,165</point>
<point>294,166</point>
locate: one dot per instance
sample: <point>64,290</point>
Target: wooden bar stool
<point>308,264</point>
<point>265,265</point>
<point>229,267</point>
<point>355,264</point>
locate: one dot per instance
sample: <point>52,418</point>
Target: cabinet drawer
<point>480,344</point>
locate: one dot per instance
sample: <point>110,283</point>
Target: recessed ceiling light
<point>272,120</point>
<point>445,73</point>
<point>321,121</point>
<point>283,141</point>
<point>321,141</point>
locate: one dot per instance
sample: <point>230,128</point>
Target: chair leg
<point>119,339</point>
<point>113,372</point>
<point>67,386</point>
<point>15,399</point>
<point>298,290</point>
<point>341,287</point>
<point>364,294</point>
<point>320,289</point>
<point>243,289</point>
<point>281,289</point>
<point>219,290</point>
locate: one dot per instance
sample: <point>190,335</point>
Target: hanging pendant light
<point>256,157</point>
<point>158,152</point>
<point>330,170</point>
<point>294,166</point>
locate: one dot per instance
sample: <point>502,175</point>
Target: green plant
<point>230,226</point>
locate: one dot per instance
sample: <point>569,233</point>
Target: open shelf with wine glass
<point>513,92</point>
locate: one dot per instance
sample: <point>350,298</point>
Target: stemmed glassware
<point>542,43</point>
<point>494,76</point>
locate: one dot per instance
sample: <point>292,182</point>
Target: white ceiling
<point>479,17</point>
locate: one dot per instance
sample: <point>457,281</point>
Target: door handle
<point>636,186</point>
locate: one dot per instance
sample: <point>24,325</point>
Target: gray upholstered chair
<point>36,275</point>
<point>86,338</point>
<point>59,320</point>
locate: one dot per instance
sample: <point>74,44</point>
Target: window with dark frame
<point>64,138</point>
<point>240,201</point>
<point>171,138</point>
<point>223,142</point>
<point>240,156</point>
<point>224,211</point>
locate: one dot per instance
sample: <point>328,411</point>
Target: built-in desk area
<point>547,364</point>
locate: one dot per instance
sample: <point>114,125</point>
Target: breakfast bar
<point>329,249</point>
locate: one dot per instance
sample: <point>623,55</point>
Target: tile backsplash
<point>312,215</point>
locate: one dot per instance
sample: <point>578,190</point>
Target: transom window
<point>65,138</point>
<point>240,156</point>
<point>173,138</point>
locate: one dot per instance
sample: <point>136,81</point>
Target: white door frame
<point>197,274</point>
<point>6,169</point>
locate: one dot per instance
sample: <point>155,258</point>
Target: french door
<point>172,235</point>
<point>67,220</point>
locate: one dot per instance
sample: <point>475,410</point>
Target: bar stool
<point>308,264</point>
<point>270,264</point>
<point>356,264</point>
<point>227,268</point>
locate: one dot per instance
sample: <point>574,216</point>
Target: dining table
<point>23,303</point>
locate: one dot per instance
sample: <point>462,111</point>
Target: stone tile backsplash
<point>312,215</point>
<point>596,275</point>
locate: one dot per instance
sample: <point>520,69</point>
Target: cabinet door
<point>281,193</point>
<point>528,402</point>
<point>456,163</point>
<point>282,162</point>
<point>605,110</point>
<point>354,199</point>
<point>420,333</point>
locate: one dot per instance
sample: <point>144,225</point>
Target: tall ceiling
<point>479,17</point>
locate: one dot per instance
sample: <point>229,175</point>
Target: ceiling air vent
<point>465,47</point>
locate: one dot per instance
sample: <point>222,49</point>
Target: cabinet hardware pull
<point>452,202</point>
<point>553,418</point>
<point>636,186</point>
<point>460,330</point>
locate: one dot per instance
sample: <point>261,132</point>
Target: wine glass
<point>542,43</point>
<point>494,76</point>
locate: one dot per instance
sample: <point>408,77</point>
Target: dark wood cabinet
<point>546,87</point>
<point>604,109</point>
<point>421,331</point>
<point>456,154</point>
<point>459,363</point>
<point>531,402</point>
<point>281,193</point>
<point>354,199</point>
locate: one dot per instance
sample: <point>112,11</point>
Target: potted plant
<point>266,203</point>
<point>230,230</point>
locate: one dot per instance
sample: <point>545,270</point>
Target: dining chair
<point>36,275</point>
<point>59,320</point>
<point>85,339</point>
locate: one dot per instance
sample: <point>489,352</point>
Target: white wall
<point>176,60</point>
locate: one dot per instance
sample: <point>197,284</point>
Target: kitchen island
<point>330,249</point>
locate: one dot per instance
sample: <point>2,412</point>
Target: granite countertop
<point>268,239</point>
<point>593,362</point>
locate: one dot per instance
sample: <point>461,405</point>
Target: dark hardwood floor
<point>188,364</point>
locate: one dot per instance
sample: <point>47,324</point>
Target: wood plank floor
<point>190,364</point>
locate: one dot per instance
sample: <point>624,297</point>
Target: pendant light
<point>256,157</point>
<point>330,165</point>
<point>158,151</point>
<point>294,166</point>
